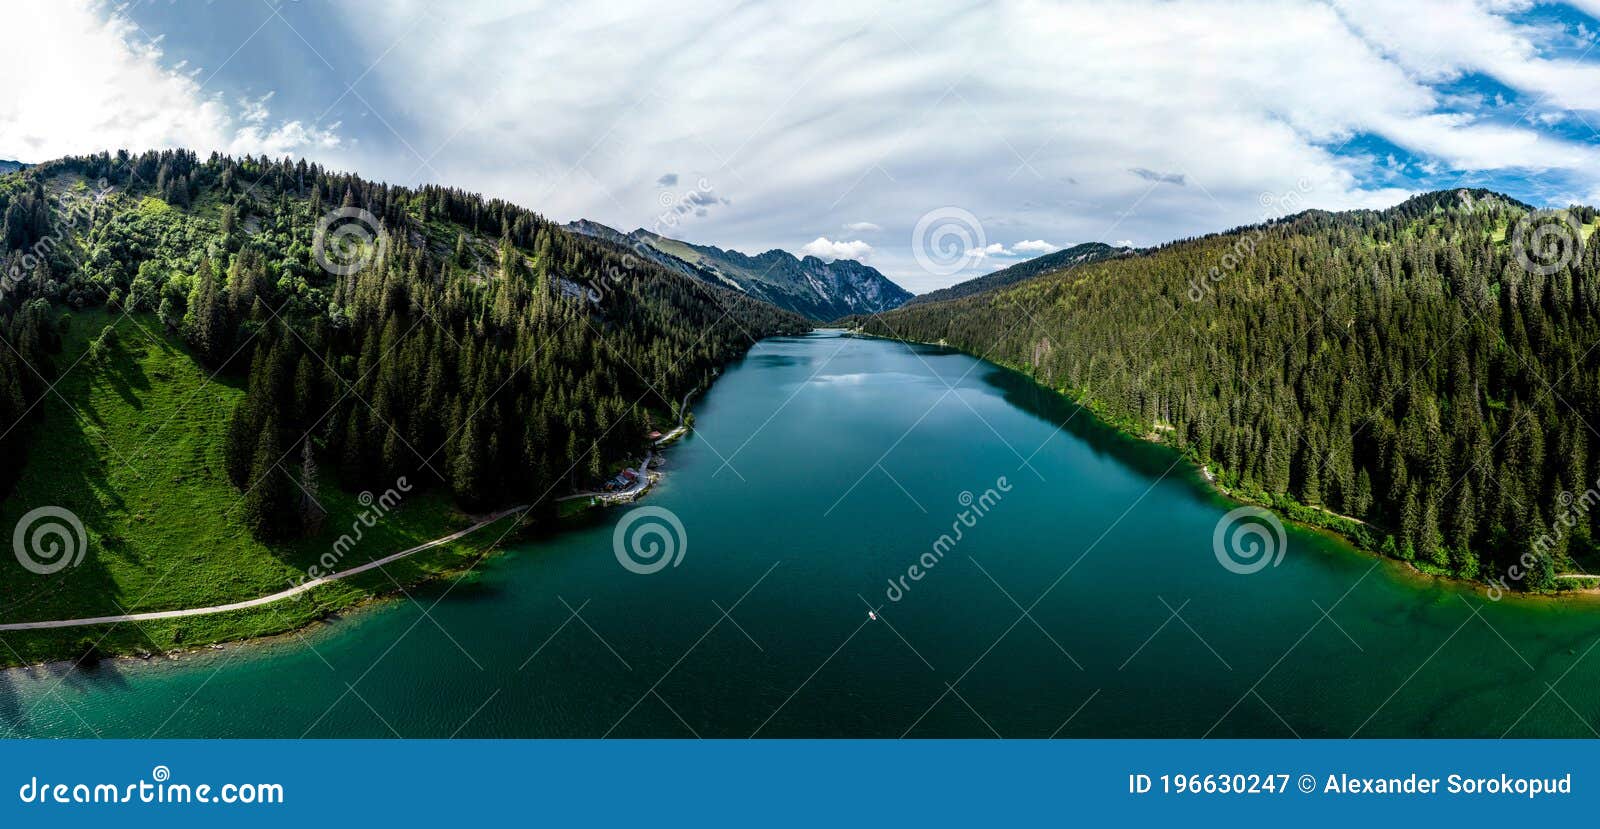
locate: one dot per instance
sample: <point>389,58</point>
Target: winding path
<point>275,597</point>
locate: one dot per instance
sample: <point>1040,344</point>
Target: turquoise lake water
<point>821,468</point>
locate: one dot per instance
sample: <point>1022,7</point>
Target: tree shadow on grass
<point>121,368</point>
<point>65,476</point>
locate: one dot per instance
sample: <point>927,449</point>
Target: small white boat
<point>873,615</point>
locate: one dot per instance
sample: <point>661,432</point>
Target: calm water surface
<point>822,467</point>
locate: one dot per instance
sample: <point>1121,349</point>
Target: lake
<point>1081,597</point>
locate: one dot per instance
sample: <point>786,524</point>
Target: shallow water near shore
<point>820,469</point>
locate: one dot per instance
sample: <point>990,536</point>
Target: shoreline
<point>645,479</point>
<point>648,479</point>
<point>1204,478</point>
<point>1203,473</point>
<point>261,601</point>
<point>262,640</point>
<point>308,589</point>
<point>325,617</point>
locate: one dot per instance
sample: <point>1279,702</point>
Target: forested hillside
<point>1039,265</point>
<point>379,331</point>
<point>1430,370</point>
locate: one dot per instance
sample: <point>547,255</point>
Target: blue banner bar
<point>799,783</point>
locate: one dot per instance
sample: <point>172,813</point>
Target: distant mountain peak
<point>806,285</point>
<point>1038,266</point>
<point>1470,199</point>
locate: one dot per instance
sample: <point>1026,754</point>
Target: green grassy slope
<point>130,446</point>
<point>525,361</point>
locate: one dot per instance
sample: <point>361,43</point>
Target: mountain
<point>643,250</point>
<point>10,166</point>
<point>263,345</point>
<point>1421,378</point>
<point>1064,258</point>
<point>1462,200</point>
<point>254,265</point>
<point>810,287</point>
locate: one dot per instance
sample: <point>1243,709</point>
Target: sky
<point>884,132</point>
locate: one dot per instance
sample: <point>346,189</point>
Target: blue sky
<point>833,128</point>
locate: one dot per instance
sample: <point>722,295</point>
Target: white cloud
<point>1159,122</point>
<point>828,250</point>
<point>1123,243</point>
<point>831,116</point>
<point>255,111</point>
<point>79,83</point>
<point>1439,40</point>
<point>1023,248</point>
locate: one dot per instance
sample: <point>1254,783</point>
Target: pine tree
<point>206,326</point>
<point>269,504</point>
<point>1463,518</point>
<point>1431,540</point>
<point>467,466</point>
<point>311,511</point>
<point>239,446</point>
<point>1361,501</point>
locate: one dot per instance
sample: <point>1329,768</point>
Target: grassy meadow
<point>129,443</point>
